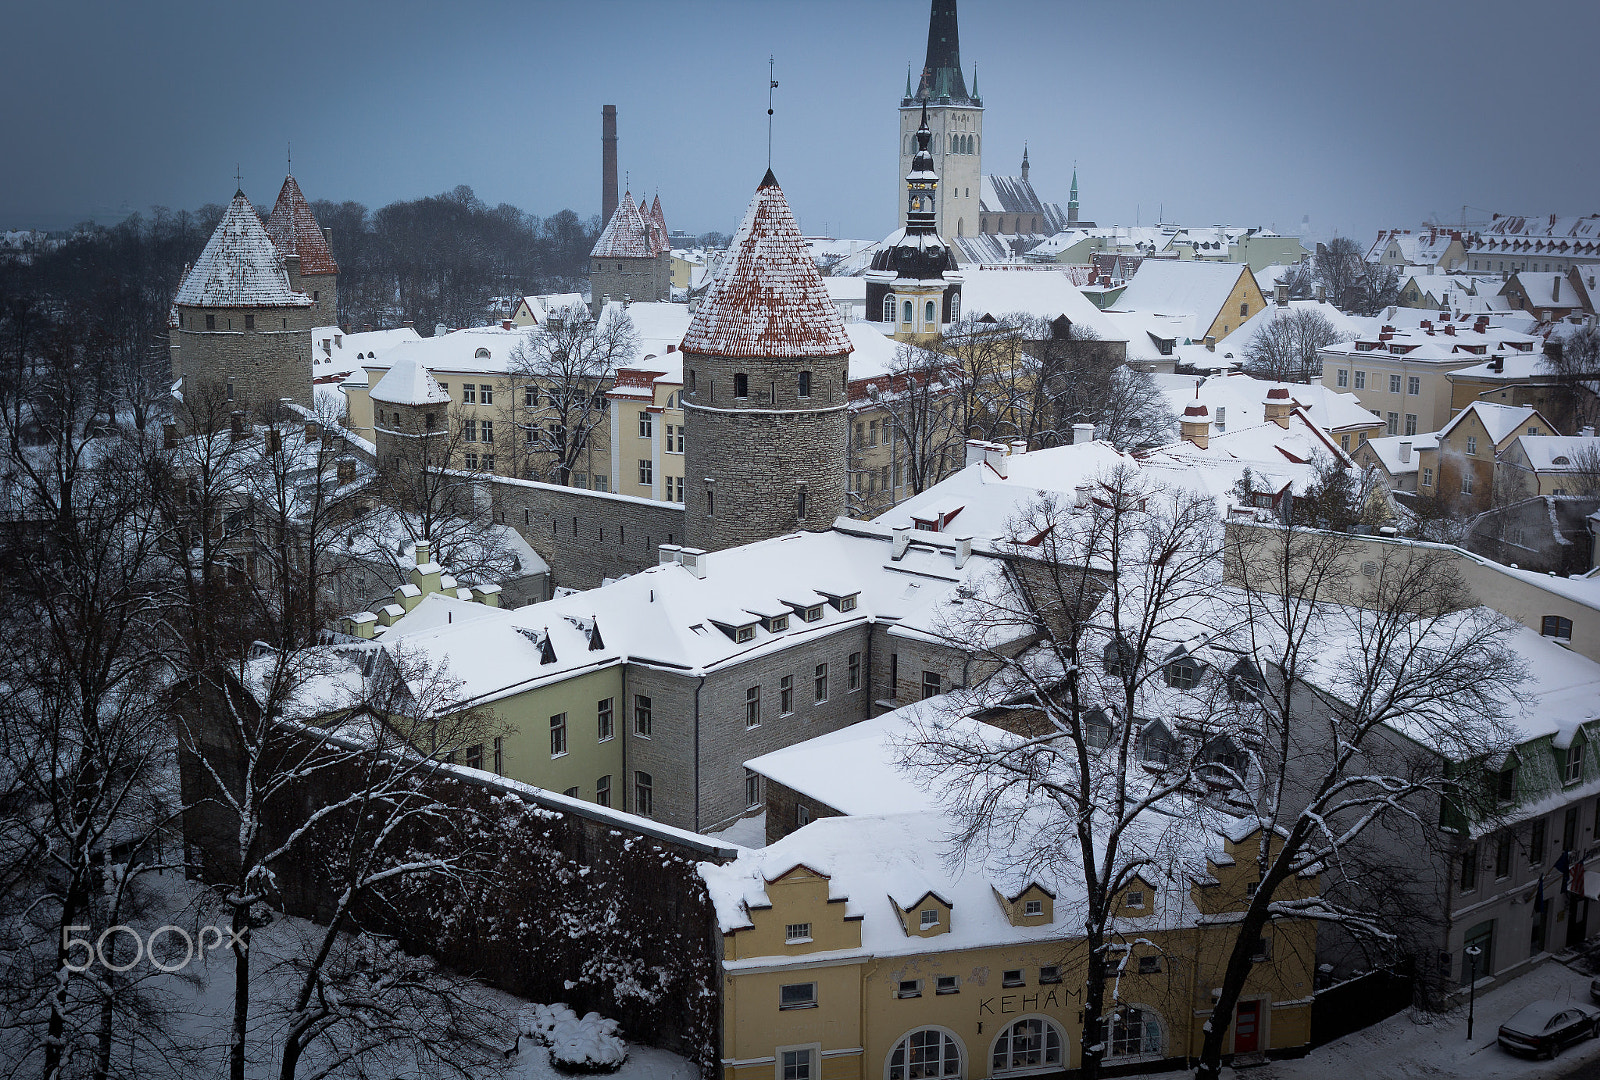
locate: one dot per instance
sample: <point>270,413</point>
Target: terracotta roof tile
<point>239,266</point>
<point>627,234</point>
<point>296,232</point>
<point>767,299</point>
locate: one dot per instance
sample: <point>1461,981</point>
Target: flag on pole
<point>1576,877</point>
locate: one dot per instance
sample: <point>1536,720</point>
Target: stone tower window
<point>249,322</point>
<point>805,392</point>
<point>427,421</point>
<point>691,380</point>
<point>741,385</point>
<point>211,322</point>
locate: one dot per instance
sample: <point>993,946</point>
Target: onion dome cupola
<point>914,283</point>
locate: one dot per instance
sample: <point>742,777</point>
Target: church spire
<point>941,71</point>
<point>1024,161</point>
<point>1072,197</point>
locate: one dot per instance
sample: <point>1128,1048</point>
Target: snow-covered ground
<point>750,832</point>
<point>1406,1045</point>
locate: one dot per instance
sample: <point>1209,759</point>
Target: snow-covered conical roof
<point>408,383</point>
<point>239,267</point>
<point>295,231</point>
<point>767,299</point>
<point>627,234</point>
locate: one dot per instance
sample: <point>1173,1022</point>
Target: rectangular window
<point>677,487</point>
<point>499,755</point>
<point>909,988</point>
<point>752,788</point>
<point>471,459</point>
<point>558,734</point>
<point>572,793</point>
<point>675,438</point>
<point>486,393</point>
<point>1469,868</point>
<point>602,791</point>
<point>1013,978</point>
<point>1413,385</point>
<point>1569,830</point>
<point>641,715</point>
<point>1136,898</point>
<point>644,794</point>
<point>211,322</point>
<point>796,1064</point>
<point>797,931</point>
<point>1411,423</point>
<point>894,676</point>
<point>1049,975</point>
<point>1472,445</point>
<point>821,680</point>
<point>1466,483</point>
<point>1394,384</point>
<point>530,397</point>
<point>1344,378</point>
<point>1502,856</point>
<point>1427,477</point>
<point>930,918</point>
<point>603,720</point>
<point>475,756</point>
<point>488,431</point>
<point>855,671</point>
<point>931,683</point>
<point>752,707</point>
<point>646,472</point>
<point>1033,907</point>
<point>786,695</point>
<point>1394,423</point>
<point>469,430</point>
<point>947,984</point>
<point>1361,379</point>
<point>1536,843</point>
<point>798,995</point>
<point>469,393</point>
<point>249,322</point>
<point>1555,626</point>
<point>1149,965</point>
<point>646,426</point>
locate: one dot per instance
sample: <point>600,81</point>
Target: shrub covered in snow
<point>589,1044</point>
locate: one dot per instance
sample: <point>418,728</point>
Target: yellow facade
<point>648,436</point>
<point>1244,301</point>
<point>798,982</point>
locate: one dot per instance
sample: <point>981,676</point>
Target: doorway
<point>1577,919</point>
<point>1247,1027</point>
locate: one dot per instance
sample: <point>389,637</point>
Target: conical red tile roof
<point>239,267</point>
<point>627,234</point>
<point>295,231</point>
<point>767,299</point>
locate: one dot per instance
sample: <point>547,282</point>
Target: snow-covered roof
<point>1500,421</point>
<point>408,383</point>
<point>660,326</point>
<point>767,299</point>
<point>627,235</point>
<point>239,267</point>
<point>1388,450</point>
<point>1042,291</point>
<point>1349,327</point>
<point>295,231</point>
<point>1173,287</point>
<point>335,354</point>
<point>1561,453</point>
<point>1015,195</point>
<point>1244,398</point>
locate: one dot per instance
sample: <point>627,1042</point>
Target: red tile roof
<point>767,299</point>
<point>296,232</point>
<point>239,266</point>
<point>627,235</point>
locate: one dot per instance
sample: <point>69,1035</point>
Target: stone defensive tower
<point>410,416</point>
<point>631,260</point>
<point>241,324</point>
<point>306,252</point>
<point>765,368</point>
<point>955,121</point>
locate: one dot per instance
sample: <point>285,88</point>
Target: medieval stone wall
<point>264,353</point>
<point>585,536</point>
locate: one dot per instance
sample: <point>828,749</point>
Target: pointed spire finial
<point>288,156</point>
<point>975,80</point>
<point>238,181</point>
<point>908,80</point>
<point>772,84</point>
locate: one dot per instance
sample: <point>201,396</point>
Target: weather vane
<point>772,84</point>
<point>238,177</point>
<point>289,156</point>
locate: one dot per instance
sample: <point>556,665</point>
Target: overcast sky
<point>1353,115</point>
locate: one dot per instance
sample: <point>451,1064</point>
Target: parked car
<point>1543,1028</point>
<point>1594,990</point>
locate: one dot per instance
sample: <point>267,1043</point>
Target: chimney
<point>1322,295</point>
<point>1019,447</point>
<point>505,324</point>
<point>440,329</point>
<point>1281,294</point>
<point>963,550</point>
<point>902,540</point>
<point>1278,406</point>
<point>1211,343</point>
<point>608,163</point>
<point>669,554</point>
<point>169,436</point>
<point>346,474</point>
<point>1497,364</point>
<point>1405,452</point>
<point>311,430</point>
<point>995,456</point>
<point>1195,426</point>
<point>236,425</point>
<point>424,552</point>
<point>1080,496</point>
<point>1082,433</point>
<point>274,441</point>
<point>975,449</point>
<point>1586,432</point>
<point>694,561</point>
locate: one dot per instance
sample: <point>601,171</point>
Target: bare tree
<point>1348,661</point>
<point>1339,497</point>
<point>920,399</point>
<point>1107,596</point>
<point>561,373</point>
<point>1338,268</point>
<point>436,488</point>
<point>1072,378</point>
<point>1575,360</point>
<point>1287,347</point>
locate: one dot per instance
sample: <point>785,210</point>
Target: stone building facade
<point>955,119</point>
<point>765,389</point>
<point>631,260</point>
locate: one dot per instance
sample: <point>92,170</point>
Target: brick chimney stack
<point>608,163</point>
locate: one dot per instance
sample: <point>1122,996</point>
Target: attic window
<point>1135,898</point>
<point>813,613</point>
<point>744,633</point>
<point>1032,907</point>
<point>777,624</point>
<point>1561,459</point>
<point>481,354</point>
<point>847,603</point>
<point>1574,769</point>
<point>930,918</point>
<point>797,931</point>
<point>1183,674</point>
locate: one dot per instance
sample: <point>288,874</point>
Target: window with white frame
<point>855,671</point>
<point>1394,384</point>
<point>926,1054</point>
<point>752,707</point>
<point>786,695</point>
<point>1472,445</point>
<point>1135,1032</point>
<point>469,393</point>
<point>646,471</point>
<point>558,734</point>
<point>1411,423</point>
<point>1466,483</point>
<point>1344,377</point>
<point>486,393</point>
<point>1032,907</point>
<point>797,931</point>
<point>603,720</point>
<point>1413,385</point>
<point>752,788</point>
<point>646,425</point>
<point>1361,379</point>
<point>1033,1042</point>
<point>929,918</point>
<point>1427,477</point>
<point>820,681</point>
<point>1574,769</point>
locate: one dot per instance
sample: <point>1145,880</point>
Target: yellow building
<point>1218,298</point>
<point>646,430</point>
<point>853,951</point>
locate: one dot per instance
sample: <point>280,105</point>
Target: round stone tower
<point>410,416</point>
<point>765,370</point>
<point>304,247</point>
<point>240,329</point>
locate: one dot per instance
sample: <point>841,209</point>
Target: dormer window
<point>1183,674</point>
<point>797,932</point>
<point>776,625</point>
<point>481,354</point>
<point>744,633</point>
<point>847,603</point>
<point>812,613</point>
<point>1135,899</point>
<point>1032,907</point>
<point>1574,769</point>
<point>929,918</point>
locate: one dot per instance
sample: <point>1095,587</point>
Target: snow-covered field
<point>1406,1046</point>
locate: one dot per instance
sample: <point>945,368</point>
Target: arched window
<point>930,315</point>
<point>905,312</point>
<point>1034,1042</point>
<point>888,307</point>
<point>926,1054</point>
<point>1135,1032</point>
<point>955,298</point>
<point>481,354</point>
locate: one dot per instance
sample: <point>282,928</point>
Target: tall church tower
<point>955,119</point>
<point>765,371</point>
<point>914,285</point>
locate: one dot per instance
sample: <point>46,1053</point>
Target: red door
<point>1246,1027</point>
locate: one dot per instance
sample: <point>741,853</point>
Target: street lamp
<point>1473,952</point>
